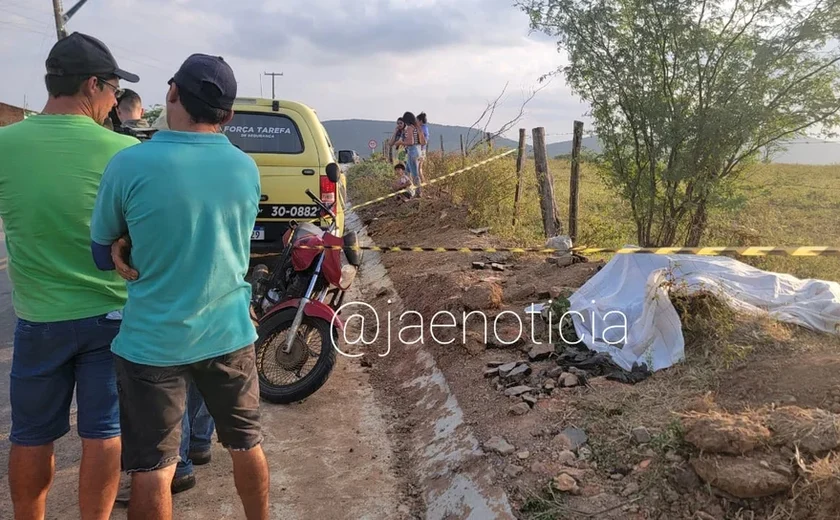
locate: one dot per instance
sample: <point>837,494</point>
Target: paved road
<point>330,457</point>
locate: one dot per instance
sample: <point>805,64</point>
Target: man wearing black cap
<point>187,199</point>
<point>68,311</point>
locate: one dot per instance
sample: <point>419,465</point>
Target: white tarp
<point>632,285</point>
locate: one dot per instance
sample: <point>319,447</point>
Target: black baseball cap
<point>209,78</point>
<point>80,54</point>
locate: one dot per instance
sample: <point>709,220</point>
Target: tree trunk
<point>697,226</point>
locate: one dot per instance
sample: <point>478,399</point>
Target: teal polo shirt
<point>188,201</point>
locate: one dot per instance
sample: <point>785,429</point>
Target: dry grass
<point>772,204</point>
<point>816,495</point>
<point>815,429</point>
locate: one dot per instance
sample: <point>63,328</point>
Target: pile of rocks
<point>518,381</point>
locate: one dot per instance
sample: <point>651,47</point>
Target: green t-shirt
<point>50,168</point>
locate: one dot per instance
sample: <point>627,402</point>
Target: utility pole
<point>58,10</point>
<point>62,18</point>
<point>273,75</point>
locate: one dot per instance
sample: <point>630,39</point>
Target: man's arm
<point>108,223</point>
<point>102,256</point>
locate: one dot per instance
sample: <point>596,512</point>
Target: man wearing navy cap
<point>187,199</point>
<point>68,311</point>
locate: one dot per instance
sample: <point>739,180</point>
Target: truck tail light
<point>327,190</point>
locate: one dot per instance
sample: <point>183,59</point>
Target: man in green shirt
<point>68,310</point>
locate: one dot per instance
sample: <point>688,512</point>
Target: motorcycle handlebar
<point>320,204</point>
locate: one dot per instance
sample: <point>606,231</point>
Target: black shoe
<point>200,458</point>
<point>184,483</point>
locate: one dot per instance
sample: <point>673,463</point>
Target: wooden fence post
<point>574,181</point>
<point>545,185</point>
<point>390,153</point>
<point>442,151</point>
<point>463,152</point>
<point>520,158</point>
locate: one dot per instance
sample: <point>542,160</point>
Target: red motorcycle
<point>297,325</point>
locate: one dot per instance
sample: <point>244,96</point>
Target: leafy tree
<point>151,114</point>
<point>685,94</point>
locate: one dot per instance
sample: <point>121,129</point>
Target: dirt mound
<point>482,297</point>
<point>716,432</point>
<point>742,477</point>
<point>828,500</point>
<point>814,431</point>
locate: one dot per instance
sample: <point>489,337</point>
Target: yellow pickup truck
<point>292,150</point>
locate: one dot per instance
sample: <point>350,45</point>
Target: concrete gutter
<point>455,477</point>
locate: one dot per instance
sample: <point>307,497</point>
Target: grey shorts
<point>153,400</point>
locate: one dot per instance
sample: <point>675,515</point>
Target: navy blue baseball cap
<point>80,54</point>
<point>209,78</point>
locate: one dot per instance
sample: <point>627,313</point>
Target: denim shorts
<point>50,361</point>
<point>413,156</point>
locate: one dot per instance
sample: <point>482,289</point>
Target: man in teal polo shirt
<point>50,167</point>
<point>188,200</point>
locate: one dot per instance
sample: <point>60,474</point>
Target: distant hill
<point>587,143</point>
<point>354,134</point>
<point>800,151</point>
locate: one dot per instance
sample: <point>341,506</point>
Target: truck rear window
<point>264,133</point>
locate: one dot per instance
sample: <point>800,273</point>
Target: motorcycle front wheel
<point>290,377</point>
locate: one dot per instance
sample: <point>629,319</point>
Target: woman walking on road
<point>413,140</point>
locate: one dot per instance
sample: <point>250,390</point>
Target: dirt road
<point>330,456</point>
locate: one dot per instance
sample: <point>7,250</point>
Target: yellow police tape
<point>704,251</point>
<point>435,180</point>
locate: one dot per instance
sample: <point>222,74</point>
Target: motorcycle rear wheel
<point>267,352</point>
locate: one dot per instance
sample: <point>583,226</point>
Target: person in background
<point>129,114</point>
<point>185,322</point>
<point>397,137</point>
<point>129,108</point>
<point>424,127</point>
<point>413,140</point>
<point>68,311</point>
<point>197,425</point>
<point>402,182</point>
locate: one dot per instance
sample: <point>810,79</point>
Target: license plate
<point>288,211</point>
<point>258,233</point>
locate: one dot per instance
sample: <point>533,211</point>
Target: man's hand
<point>120,254</point>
